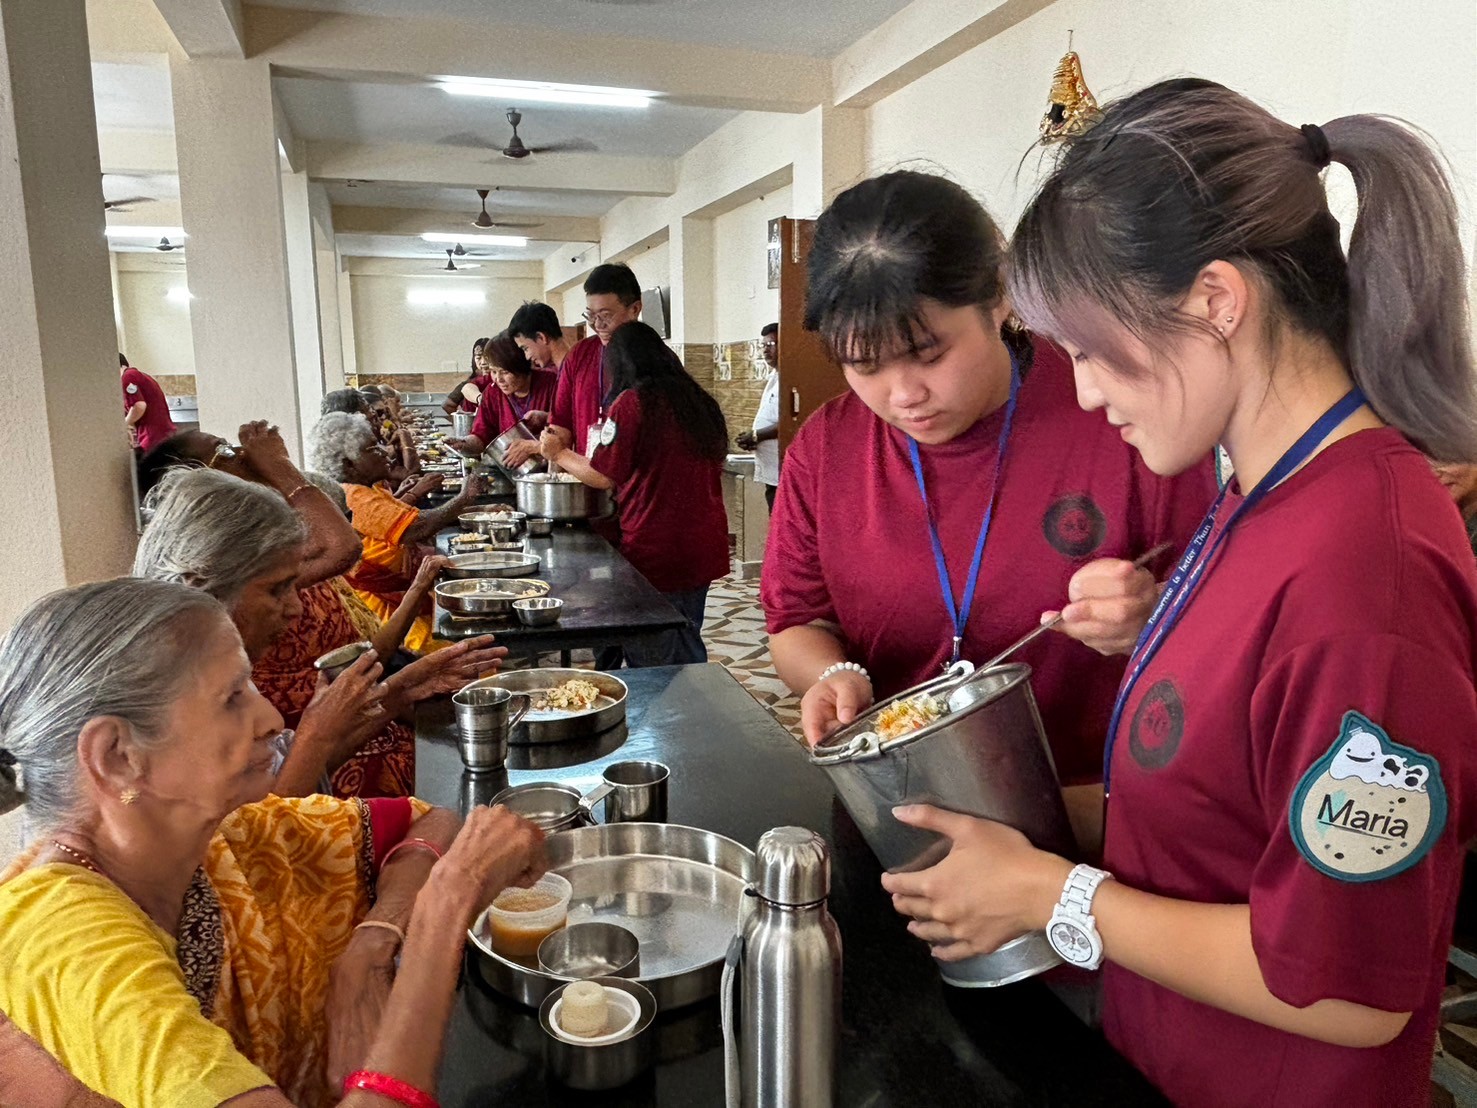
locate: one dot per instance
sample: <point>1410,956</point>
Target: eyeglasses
<point>600,319</point>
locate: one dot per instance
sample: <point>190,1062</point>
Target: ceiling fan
<point>517,150</point>
<point>484,220</point>
<point>165,246</point>
<point>124,205</point>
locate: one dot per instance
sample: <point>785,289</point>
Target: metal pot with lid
<point>985,756</point>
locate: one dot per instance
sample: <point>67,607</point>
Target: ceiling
<point>354,111</point>
<point>525,202</point>
<point>132,97</point>
<point>776,26</point>
<point>405,246</point>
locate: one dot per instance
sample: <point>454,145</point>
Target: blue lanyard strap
<point>959,613</point>
<point>522,411</point>
<point>1196,559</point>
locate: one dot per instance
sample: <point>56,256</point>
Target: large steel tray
<point>677,889</point>
<point>553,726</point>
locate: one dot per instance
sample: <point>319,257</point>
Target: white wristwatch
<point>1072,931</point>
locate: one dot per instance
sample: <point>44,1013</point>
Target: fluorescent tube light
<point>484,240</point>
<point>178,295</point>
<point>546,92</point>
<point>450,297</point>
<point>120,231</point>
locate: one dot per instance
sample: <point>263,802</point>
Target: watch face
<point>1071,942</point>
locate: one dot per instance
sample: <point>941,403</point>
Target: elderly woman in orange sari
<point>243,544</point>
<point>343,447</point>
<point>177,937</point>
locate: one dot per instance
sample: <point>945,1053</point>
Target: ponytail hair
<point>1187,172</point>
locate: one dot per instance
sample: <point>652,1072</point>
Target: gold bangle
<point>383,925</point>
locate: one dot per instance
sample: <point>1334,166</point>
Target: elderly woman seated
<point>243,544</point>
<point>343,446</point>
<point>179,937</point>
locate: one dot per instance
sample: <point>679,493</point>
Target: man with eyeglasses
<point>764,438</point>
<point>612,297</point>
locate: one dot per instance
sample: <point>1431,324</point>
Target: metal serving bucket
<point>987,757</point>
<point>461,424</point>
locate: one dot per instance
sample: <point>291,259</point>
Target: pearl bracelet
<point>843,667</point>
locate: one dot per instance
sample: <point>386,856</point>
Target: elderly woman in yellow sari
<point>343,446</point>
<point>176,937</point>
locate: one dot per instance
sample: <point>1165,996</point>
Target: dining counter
<point>907,1039</point>
<point>606,599</point>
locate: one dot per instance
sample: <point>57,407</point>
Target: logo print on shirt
<point>1075,526</point>
<point>1369,808</point>
<point>1158,726</point>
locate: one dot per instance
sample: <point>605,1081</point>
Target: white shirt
<point>767,453</point>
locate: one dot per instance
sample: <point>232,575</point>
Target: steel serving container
<point>547,496</point>
<point>987,757</point>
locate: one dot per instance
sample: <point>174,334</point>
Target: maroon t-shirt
<point>674,528</point>
<point>156,426</point>
<point>848,543</point>
<point>1239,776</point>
<point>581,392</point>
<point>498,411</point>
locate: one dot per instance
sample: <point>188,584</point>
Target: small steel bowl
<point>591,949</point>
<point>475,519</point>
<point>540,527</point>
<point>500,531</point>
<point>608,1065</point>
<point>538,611</point>
<point>336,661</point>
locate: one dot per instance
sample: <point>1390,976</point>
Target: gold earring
<point>128,796</point>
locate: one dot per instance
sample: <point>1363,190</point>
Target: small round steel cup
<point>609,1065</point>
<point>336,661</point>
<point>538,611</point>
<point>584,950</point>
<point>540,527</point>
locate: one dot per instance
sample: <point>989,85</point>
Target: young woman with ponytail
<point>1291,772</point>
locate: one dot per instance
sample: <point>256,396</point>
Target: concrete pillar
<point>832,158</point>
<point>325,256</point>
<point>302,268</point>
<point>63,436</point>
<point>117,302</point>
<point>231,201</point>
<point>690,254</point>
<point>346,323</point>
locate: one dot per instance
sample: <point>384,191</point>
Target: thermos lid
<point>794,866</point>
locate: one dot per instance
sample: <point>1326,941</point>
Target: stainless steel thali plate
<point>677,889</point>
<point>492,563</point>
<point>551,725</point>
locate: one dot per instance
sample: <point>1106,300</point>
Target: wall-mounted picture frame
<point>774,253</point>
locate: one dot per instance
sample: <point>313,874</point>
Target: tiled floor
<point>734,632</point>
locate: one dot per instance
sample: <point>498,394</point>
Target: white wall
<point>156,328</point>
<point>392,336</point>
<point>570,303</point>
<point>743,302</point>
<point>652,266</point>
<point>1307,62</point>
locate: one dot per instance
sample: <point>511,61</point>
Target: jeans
<point>681,647</point>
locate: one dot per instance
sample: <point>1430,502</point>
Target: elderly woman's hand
<point>447,670</point>
<point>344,715</point>
<point>263,451</point>
<point>493,850</point>
<point>426,574</point>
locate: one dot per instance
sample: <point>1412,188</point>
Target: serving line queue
<point>1275,868</point>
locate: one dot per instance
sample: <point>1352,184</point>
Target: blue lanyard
<point>959,613</point>
<point>1191,569</point>
<point>523,411</point>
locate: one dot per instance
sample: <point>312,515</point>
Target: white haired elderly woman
<point>179,938</point>
<point>242,543</point>
<point>343,446</point>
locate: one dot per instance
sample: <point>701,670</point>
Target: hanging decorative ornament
<point>1071,108</point>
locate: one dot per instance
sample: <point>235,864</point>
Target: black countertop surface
<point>606,600</point>
<point>908,1040</point>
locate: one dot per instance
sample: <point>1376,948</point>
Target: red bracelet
<point>406,844</point>
<point>391,1088</point>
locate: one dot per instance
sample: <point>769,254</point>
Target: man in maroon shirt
<point>145,410</point>
<point>535,328</point>
<point>612,297</point>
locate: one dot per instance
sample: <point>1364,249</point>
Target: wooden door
<point>808,377</point>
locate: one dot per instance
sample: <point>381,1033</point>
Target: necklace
<point>82,859</point>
